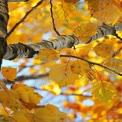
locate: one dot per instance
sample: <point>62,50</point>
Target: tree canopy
<point>65,48</point>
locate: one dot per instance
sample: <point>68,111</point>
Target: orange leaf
<point>9,73</point>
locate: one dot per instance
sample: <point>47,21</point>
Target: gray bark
<point>105,30</point>
<point>20,50</point>
<point>3,27</point>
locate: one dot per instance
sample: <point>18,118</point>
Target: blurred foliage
<point>81,79</point>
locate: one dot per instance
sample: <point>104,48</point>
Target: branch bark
<point>3,27</point>
<point>20,50</point>
<point>105,30</point>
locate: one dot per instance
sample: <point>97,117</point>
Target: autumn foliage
<point>90,73</point>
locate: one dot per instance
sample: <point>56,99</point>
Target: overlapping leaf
<point>28,97</point>
<point>103,50</point>
<point>49,113</point>
<point>62,74</point>
<point>104,10</point>
<point>85,31</point>
<point>113,63</point>
<point>64,10</point>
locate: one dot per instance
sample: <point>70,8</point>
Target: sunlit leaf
<point>20,116</point>
<point>49,113</point>
<point>104,10</point>
<point>9,73</point>
<point>113,63</point>
<point>62,74</point>
<point>27,95</point>
<point>103,50</point>
<point>79,67</point>
<point>64,10</point>
<point>85,30</point>
<point>104,91</point>
<point>47,55</point>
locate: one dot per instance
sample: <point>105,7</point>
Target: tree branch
<point>3,27</point>
<point>29,77</point>
<point>18,23</point>
<point>75,95</point>
<point>105,30</point>
<point>20,50</point>
<point>92,63</point>
<point>53,21</point>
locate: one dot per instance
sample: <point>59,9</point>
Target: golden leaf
<point>79,67</point>
<point>48,55</point>
<point>27,94</point>
<point>104,90</point>
<point>113,63</point>
<point>103,50</point>
<point>64,10</point>
<point>49,113</point>
<point>85,31</point>
<point>104,10</point>
<point>62,74</point>
<point>20,116</point>
<point>9,73</point>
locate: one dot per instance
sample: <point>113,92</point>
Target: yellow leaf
<point>113,63</point>
<point>79,67</point>
<point>104,90</point>
<point>62,74</point>
<point>27,94</point>
<point>104,10</point>
<point>9,73</point>
<point>48,54</point>
<point>103,50</point>
<point>64,10</point>
<point>49,113</point>
<point>85,31</point>
<point>20,116</point>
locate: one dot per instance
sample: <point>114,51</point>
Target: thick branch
<point>105,30</point>
<point>20,50</point>
<point>92,63</point>
<point>3,27</point>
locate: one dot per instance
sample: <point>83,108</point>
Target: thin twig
<point>92,63</point>
<point>117,52</point>
<point>29,77</point>
<point>53,21</point>
<point>75,95</point>
<point>18,23</point>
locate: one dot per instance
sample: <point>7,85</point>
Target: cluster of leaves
<point>92,67</point>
